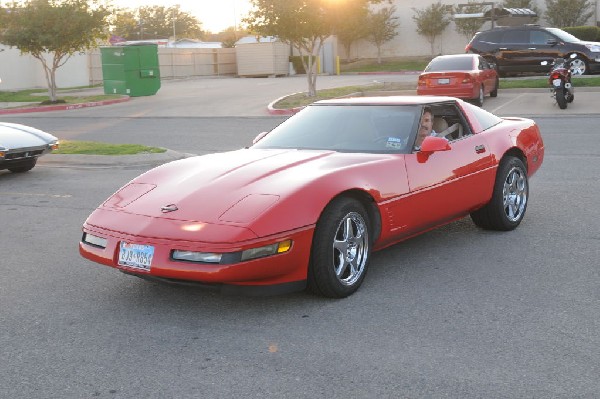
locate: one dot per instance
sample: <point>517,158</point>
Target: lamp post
<point>174,18</point>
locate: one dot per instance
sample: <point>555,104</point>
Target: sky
<point>215,15</point>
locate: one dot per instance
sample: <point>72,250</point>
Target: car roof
<point>457,56</point>
<point>387,100</point>
<point>526,26</point>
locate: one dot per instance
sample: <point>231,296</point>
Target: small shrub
<point>587,33</point>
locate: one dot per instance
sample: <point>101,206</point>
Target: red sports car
<point>309,201</point>
<point>466,76</point>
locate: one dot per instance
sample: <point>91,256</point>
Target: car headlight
<point>267,250</point>
<point>94,240</point>
<point>191,256</point>
<point>229,258</point>
<point>594,48</point>
<point>54,145</point>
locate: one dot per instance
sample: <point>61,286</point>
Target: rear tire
<point>507,207</point>
<point>494,93</point>
<point>479,100</point>
<point>561,100</point>
<point>341,249</point>
<point>25,167</point>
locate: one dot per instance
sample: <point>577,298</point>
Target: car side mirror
<point>434,144</point>
<point>259,136</point>
<point>552,42</point>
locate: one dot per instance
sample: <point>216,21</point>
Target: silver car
<point>21,146</point>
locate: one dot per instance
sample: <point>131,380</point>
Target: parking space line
<point>38,195</point>
<point>495,110</point>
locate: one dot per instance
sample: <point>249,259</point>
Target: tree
<point>561,13</point>
<point>431,22</point>
<point>382,27</point>
<point>351,23</point>
<point>304,24</point>
<point>156,22</point>
<point>53,30</point>
<point>469,26</point>
<point>227,37</point>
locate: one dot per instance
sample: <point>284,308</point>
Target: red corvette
<point>308,202</point>
<point>466,76</point>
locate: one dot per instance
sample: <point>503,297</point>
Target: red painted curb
<point>282,111</point>
<point>62,107</point>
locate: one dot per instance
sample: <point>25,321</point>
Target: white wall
<point>26,72</point>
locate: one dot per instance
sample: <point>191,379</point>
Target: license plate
<point>443,81</point>
<point>137,256</point>
<point>557,82</point>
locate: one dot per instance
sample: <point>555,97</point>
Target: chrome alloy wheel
<point>350,248</point>
<point>514,194</point>
<point>577,66</point>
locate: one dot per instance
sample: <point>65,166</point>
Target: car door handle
<point>503,48</point>
<point>480,149</point>
<point>532,48</point>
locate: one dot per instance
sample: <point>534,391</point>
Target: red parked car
<point>309,201</point>
<point>466,76</point>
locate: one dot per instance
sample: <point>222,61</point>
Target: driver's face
<point>425,127</point>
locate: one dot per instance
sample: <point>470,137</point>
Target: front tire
<point>341,249</point>
<point>25,167</point>
<point>506,209</point>
<point>561,100</point>
<point>578,66</point>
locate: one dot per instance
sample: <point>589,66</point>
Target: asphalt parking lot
<point>455,313</point>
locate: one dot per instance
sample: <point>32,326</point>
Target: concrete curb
<point>62,107</point>
<point>282,111</point>
<point>109,161</point>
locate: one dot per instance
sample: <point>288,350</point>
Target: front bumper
<point>273,274</point>
<point>21,156</point>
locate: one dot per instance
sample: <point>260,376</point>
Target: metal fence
<point>180,63</point>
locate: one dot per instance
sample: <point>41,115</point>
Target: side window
<point>483,119</point>
<point>449,122</point>
<point>491,37</point>
<point>483,65</point>
<point>515,37</point>
<point>539,37</point>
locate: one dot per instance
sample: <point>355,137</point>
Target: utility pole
<point>174,18</point>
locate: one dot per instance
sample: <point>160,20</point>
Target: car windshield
<point>450,64</point>
<point>347,128</point>
<point>562,35</point>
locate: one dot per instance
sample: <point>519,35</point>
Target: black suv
<point>523,48</point>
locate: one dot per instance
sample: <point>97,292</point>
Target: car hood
<point>233,187</point>
<point>13,135</point>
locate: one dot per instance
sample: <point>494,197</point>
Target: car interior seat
<point>440,126</point>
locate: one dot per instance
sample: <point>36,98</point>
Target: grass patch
<point>301,99</point>
<point>96,148</point>
<point>387,65</point>
<point>40,95</point>
<point>542,83</point>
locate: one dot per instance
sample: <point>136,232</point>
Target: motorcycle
<point>561,87</point>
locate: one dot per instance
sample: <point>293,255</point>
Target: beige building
<point>409,43</point>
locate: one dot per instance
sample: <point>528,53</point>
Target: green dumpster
<point>132,70</point>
